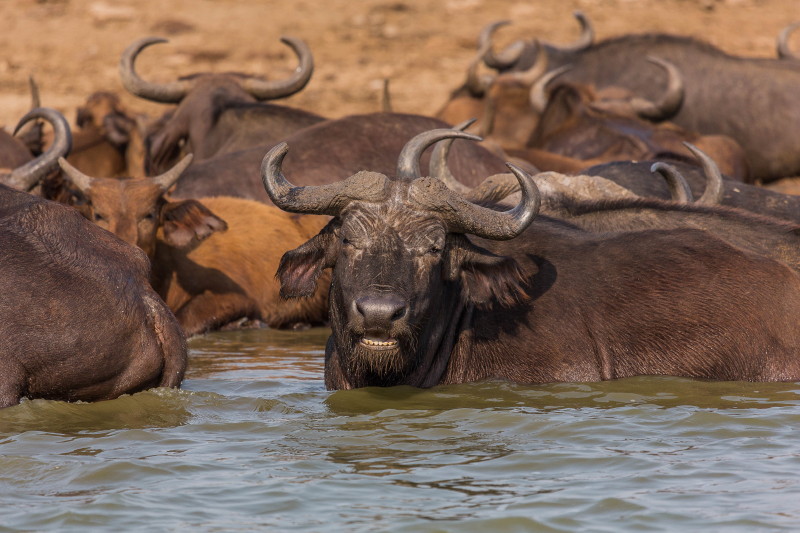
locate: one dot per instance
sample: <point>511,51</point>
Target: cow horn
<point>463,216</point>
<point>28,175</point>
<point>408,161</point>
<point>505,59</point>
<point>168,178</point>
<point>270,90</point>
<point>532,73</point>
<point>321,199</point>
<point>165,93</point>
<point>715,188</point>
<point>678,188</point>
<point>82,181</point>
<point>586,38</point>
<point>784,52</point>
<point>538,94</point>
<point>438,164</point>
<point>670,102</point>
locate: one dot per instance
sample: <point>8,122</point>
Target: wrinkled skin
<point>57,343</point>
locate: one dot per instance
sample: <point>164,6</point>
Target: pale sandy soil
<point>72,46</point>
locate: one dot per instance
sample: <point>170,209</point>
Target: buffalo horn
<point>505,59</point>
<point>28,175</point>
<point>670,102</point>
<point>321,199</point>
<point>678,188</point>
<point>784,52</point>
<point>538,94</point>
<point>586,38</point>
<point>715,188</point>
<point>438,164</point>
<point>165,93</point>
<point>463,216</point>
<point>269,90</point>
<point>408,161</point>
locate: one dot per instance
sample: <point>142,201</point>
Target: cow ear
<point>300,268</point>
<point>188,222</point>
<point>486,279</point>
<point>565,103</point>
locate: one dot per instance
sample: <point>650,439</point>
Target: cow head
<point>402,263</point>
<point>200,98</point>
<point>135,208</point>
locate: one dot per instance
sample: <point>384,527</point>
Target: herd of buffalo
<point>581,212</point>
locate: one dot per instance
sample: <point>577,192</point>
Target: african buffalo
<point>78,318</point>
<point>213,259</point>
<point>331,151</point>
<point>18,168</point>
<point>217,113</point>
<point>415,301</point>
<point>752,100</point>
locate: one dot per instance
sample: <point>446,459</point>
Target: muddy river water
<point>254,442</point>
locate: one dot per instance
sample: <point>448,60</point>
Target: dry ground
<point>423,46</point>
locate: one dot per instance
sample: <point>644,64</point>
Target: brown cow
<point>55,342</point>
<point>213,259</point>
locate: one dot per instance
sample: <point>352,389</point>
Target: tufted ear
<point>300,268</point>
<point>189,222</point>
<point>486,278</point>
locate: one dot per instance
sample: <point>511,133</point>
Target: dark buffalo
<point>217,113</point>
<point>331,151</point>
<point>580,123</point>
<point>18,168</point>
<point>415,301</point>
<point>752,100</point>
<point>78,319</point>
<point>213,258</point>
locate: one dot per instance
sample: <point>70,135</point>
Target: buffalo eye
<point>98,217</point>
<point>150,216</point>
<point>435,250</point>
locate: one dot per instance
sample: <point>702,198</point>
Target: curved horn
<point>462,216</point>
<point>538,94</point>
<point>78,178</point>
<point>321,199</point>
<point>586,38</point>
<point>505,59</point>
<point>678,188</point>
<point>270,90</point>
<point>35,99</point>
<point>532,73</point>
<point>408,161</point>
<point>168,178</point>
<point>438,164</point>
<point>715,188</point>
<point>165,93</point>
<point>28,175</point>
<point>784,52</point>
<point>670,102</point>
<point>476,84</point>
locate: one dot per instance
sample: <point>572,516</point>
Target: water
<point>255,443</point>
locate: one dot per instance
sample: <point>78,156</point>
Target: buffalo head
<point>403,268</point>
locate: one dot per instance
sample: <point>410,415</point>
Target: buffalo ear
<point>486,279</point>
<point>189,222</point>
<point>564,104</point>
<point>300,268</point>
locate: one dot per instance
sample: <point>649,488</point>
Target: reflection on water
<point>255,442</point>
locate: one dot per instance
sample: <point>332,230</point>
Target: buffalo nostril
<point>381,310</point>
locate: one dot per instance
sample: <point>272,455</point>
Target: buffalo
<point>415,301</point>
<point>217,113</point>
<point>58,343</point>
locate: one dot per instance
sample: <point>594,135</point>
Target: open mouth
<point>375,344</point>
